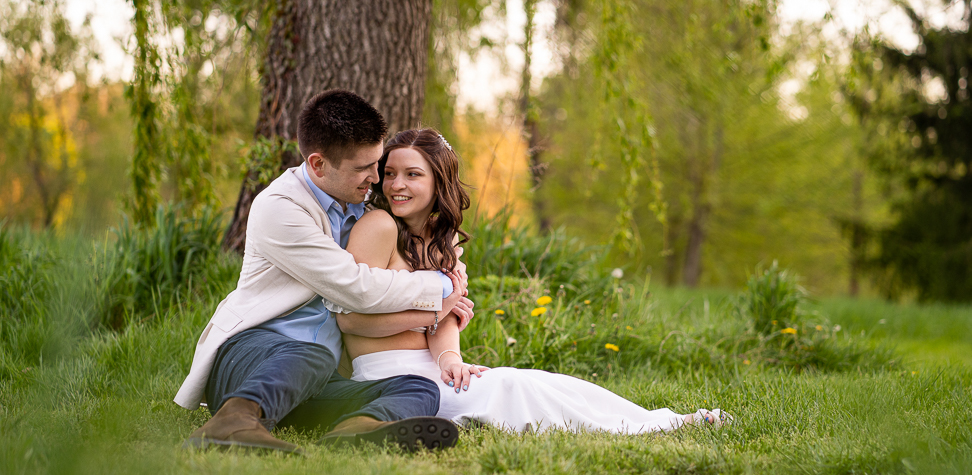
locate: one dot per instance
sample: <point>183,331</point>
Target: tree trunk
<point>671,257</point>
<point>531,129</point>
<point>857,232</point>
<point>376,48</point>
<point>692,271</point>
<point>701,207</point>
<point>35,153</point>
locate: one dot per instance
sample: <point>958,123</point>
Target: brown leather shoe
<point>410,434</point>
<point>237,424</point>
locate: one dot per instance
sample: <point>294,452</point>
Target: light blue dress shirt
<point>313,322</point>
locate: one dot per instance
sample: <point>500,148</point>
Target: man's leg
<point>257,378</point>
<point>400,409</point>
<point>275,371</point>
<point>388,399</point>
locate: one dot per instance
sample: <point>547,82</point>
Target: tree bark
<point>376,48</point>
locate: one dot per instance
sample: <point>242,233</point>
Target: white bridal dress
<point>522,399</point>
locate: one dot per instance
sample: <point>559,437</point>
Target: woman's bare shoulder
<point>377,220</point>
<point>373,239</point>
<point>378,217</point>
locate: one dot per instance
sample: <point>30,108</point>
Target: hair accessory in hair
<point>446,142</point>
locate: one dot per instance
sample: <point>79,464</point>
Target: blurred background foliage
<point>693,140</point>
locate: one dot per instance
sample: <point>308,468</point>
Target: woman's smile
<point>409,187</point>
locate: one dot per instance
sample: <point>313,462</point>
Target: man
<point>269,353</point>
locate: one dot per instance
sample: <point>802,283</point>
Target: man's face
<point>350,181</point>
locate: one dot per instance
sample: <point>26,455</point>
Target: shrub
<point>528,323</point>
<point>787,336</point>
<point>501,248</point>
<point>772,299</point>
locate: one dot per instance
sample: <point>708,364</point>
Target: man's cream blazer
<point>290,257</point>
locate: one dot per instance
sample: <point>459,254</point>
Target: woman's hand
<point>457,374</point>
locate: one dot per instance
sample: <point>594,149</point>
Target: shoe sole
<point>410,434</point>
<point>206,443</point>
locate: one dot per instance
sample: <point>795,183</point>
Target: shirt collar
<point>326,201</point>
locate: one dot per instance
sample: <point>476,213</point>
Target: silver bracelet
<point>444,352</point>
<point>435,326</point>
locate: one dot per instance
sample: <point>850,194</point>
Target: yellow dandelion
<point>587,302</point>
<point>612,347</point>
<point>746,362</point>
<point>774,322</point>
<point>544,300</point>
<point>628,327</point>
<point>500,312</point>
<point>819,327</point>
<point>538,311</point>
<point>788,331</point>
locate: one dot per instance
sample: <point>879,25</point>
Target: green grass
<point>930,333</point>
<point>887,393</point>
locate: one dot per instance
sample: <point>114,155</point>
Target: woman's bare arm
<point>445,348</point>
<point>372,241</point>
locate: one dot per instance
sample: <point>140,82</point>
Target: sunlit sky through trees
<point>111,26</point>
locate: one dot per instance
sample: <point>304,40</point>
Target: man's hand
<point>464,310</point>
<point>456,303</point>
<point>460,270</point>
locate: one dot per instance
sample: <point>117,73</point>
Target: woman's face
<point>409,185</point>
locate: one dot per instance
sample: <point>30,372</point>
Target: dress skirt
<point>522,400</point>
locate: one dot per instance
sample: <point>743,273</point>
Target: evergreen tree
<point>928,249</point>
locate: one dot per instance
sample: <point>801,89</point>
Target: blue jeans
<point>296,384</point>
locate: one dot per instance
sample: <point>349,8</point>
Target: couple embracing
<point>355,253</point>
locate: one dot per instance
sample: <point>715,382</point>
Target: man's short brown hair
<point>335,122</point>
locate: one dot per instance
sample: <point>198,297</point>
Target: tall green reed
<point>148,269</point>
<point>25,285</point>
<point>48,298</point>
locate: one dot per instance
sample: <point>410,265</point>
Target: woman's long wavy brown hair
<point>450,198</point>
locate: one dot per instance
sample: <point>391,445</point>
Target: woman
<point>416,225</point>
